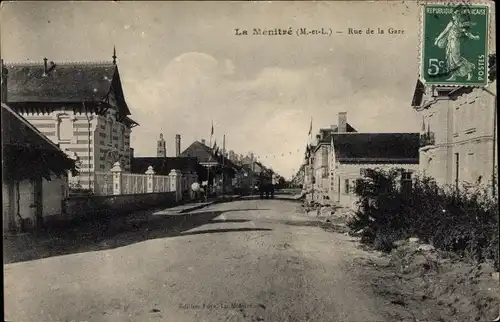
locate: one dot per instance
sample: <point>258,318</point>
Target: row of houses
<point>338,156</point>
<point>221,171</point>
<point>456,146</point>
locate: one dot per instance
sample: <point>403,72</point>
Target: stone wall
<point>93,207</point>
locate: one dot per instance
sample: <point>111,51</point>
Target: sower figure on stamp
<point>450,39</point>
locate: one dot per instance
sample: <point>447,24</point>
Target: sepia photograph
<point>244,161</point>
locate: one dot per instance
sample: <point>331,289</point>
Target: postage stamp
<point>454,44</point>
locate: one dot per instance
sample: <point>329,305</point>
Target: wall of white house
<point>346,175</point>
<point>106,134</point>
<point>464,127</point>
<point>53,194</point>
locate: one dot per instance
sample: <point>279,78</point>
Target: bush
<point>464,221</point>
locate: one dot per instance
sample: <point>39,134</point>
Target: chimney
<point>5,73</point>
<point>343,122</point>
<point>203,141</point>
<point>177,145</point>
<point>45,67</point>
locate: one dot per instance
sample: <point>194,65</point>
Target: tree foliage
<point>464,221</point>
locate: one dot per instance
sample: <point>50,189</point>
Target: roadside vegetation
<point>442,246</point>
<point>460,221</point>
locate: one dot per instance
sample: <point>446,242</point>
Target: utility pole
<point>223,169</point>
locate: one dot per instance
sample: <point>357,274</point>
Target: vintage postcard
<point>249,161</point>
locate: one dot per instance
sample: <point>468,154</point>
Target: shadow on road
<point>113,232</point>
<point>285,197</point>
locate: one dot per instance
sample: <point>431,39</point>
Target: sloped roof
<point>376,147</point>
<point>27,152</point>
<point>200,151</point>
<point>66,83</point>
<point>163,166</point>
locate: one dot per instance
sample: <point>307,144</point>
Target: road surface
<point>248,260</point>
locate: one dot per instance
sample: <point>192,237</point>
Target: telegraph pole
<point>223,169</point>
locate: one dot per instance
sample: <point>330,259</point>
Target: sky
<point>182,67</point>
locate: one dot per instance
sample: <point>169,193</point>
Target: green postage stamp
<point>454,48</point>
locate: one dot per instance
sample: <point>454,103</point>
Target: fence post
<point>117,178</point>
<point>150,173</point>
<point>176,183</point>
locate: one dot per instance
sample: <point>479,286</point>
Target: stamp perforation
<point>421,36</point>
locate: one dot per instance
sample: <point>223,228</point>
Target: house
<point>313,166</point>
<point>80,107</point>
<point>35,174</point>
<point>219,172</point>
<point>338,159</point>
<point>459,130</point>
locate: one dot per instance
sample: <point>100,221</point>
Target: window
<point>406,175</point>
<point>110,132</point>
<point>122,138</point>
<point>346,186</point>
<point>65,128</point>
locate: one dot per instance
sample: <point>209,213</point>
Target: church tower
<point>161,150</point>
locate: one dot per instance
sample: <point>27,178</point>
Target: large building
<point>80,107</point>
<point>459,129</point>
<point>339,156</point>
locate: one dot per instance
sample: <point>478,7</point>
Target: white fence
<point>134,183</point>
<point>161,183</point>
<point>103,183</point>
<point>116,182</point>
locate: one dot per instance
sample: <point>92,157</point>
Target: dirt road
<point>248,260</point>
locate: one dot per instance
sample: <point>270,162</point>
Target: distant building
<point>161,148</point>
<point>78,106</point>
<point>162,165</point>
<point>219,169</point>
<point>458,135</point>
<point>332,174</point>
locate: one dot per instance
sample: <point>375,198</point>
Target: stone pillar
<point>176,183</point>
<point>117,178</point>
<point>150,173</point>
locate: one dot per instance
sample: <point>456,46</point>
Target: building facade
<point>459,131</point>
<point>34,180</point>
<point>78,106</point>
<point>340,155</point>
